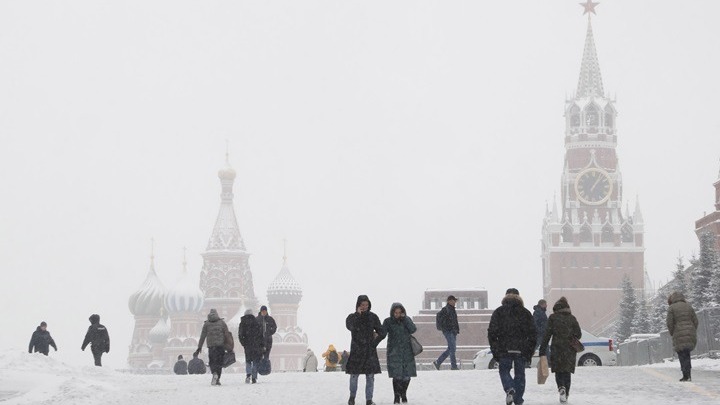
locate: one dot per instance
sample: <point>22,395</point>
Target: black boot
<point>403,391</point>
<point>396,391</point>
<point>351,401</point>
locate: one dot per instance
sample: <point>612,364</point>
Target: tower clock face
<point>593,186</point>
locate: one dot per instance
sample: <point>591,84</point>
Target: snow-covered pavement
<point>36,379</point>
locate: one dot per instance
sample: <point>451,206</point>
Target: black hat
<point>263,308</point>
<point>512,291</point>
<point>451,298</point>
<point>180,357</point>
<point>43,323</point>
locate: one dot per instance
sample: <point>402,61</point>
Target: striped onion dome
<point>161,331</point>
<point>186,295</point>
<point>148,300</point>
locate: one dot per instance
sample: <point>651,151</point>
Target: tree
<point>658,311</point>
<point>679,279</point>
<point>706,267</point>
<point>628,308</point>
<point>641,321</point>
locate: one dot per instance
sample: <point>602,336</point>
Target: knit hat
<point>248,312</point>
<point>43,323</point>
<point>512,291</point>
<point>263,308</point>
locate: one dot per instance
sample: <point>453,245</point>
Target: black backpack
<point>333,357</point>
<point>439,320</point>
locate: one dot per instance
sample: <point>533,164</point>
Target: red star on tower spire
<point>589,6</point>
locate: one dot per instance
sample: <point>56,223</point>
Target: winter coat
<point>343,359</point>
<point>400,357</point>
<point>449,320</point>
<point>213,330</point>
<point>326,356</point>
<point>181,367</point>
<point>363,327</point>
<point>268,328</point>
<point>310,362</point>
<point>41,342</point>
<point>682,323</point>
<point>97,336</point>
<point>251,338</point>
<point>196,366</point>
<point>512,329</point>
<point>561,327</point>
<point>540,317</point>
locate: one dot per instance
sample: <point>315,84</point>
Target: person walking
<point>251,338</point>
<point>214,330</point>
<point>332,358</point>
<point>196,365</point>
<point>400,358</point>
<point>268,327</point>
<point>98,338</point>
<point>446,321</point>
<point>181,366</point>
<point>40,341</point>
<point>343,360</point>
<point>310,362</point>
<point>512,338</point>
<point>682,323</point>
<point>540,317</point>
<point>366,332</point>
<point>563,329</point>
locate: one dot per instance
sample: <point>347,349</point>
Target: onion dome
<point>284,289</point>
<point>148,300</point>
<point>186,295</point>
<point>161,331</point>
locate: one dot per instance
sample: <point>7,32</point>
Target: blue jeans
<point>251,368</point>
<point>518,383</point>
<point>451,338</point>
<point>369,385</point>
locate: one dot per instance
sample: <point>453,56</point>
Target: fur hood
<point>561,305</point>
<point>676,297</point>
<point>512,299</point>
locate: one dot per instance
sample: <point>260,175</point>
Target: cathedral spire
<point>590,82</point>
<point>226,233</point>
<point>637,215</point>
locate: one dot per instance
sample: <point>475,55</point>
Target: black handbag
<point>417,348</point>
<point>264,366</point>
<point>228,359</point>
<point>577,345</point>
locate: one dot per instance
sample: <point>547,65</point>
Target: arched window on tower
<point>607,235</point>
<point>627,233</point>
<point>592,116</point>
<point>567,233</point>
<point>586,234</point>
<point>574,117</point>
<point>609,117</point>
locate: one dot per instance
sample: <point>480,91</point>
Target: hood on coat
<point>676,297</point>
<point>512,300</point>
<point>360,300</point>
<point>248,318</point>
<point>561,305</point>
<point>94,318</point>
<point>395,306</point>
<point>539,308</point>
<point>213,316</point>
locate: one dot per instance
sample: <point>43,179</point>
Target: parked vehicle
<point>599,351</point>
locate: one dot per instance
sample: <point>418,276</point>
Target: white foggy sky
<point>397,145</point>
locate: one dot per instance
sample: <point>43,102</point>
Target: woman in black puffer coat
<point>562,327</point>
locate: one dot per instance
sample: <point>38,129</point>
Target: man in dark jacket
<point>251,339</point>
<point>196,365</point>
<point>98,338</point>
<point>540,317</point>
<point>41,340</point>
<point>512,338</point>
<point>181,366</point>
<point>268,328</point>
<point>447,322</point>
<point>214,329</point>
<point>366,332</point>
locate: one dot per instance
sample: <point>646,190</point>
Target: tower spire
<point>184,260</point>
<point>590,81</point>
<point>152,255</point>
<point>284,252</point>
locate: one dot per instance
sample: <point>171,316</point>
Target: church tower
<point>289,342</point>
<point>226,279</point>
<point>589,244</point>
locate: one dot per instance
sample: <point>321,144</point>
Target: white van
<point>599,351</point>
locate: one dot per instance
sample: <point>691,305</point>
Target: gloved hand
<point>197,352</point>
<point>55,348</point>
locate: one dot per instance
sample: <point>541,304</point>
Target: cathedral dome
<point>186,295</point>
<point>284,288</point>
<point>160,332</point>
<point>148,300</point>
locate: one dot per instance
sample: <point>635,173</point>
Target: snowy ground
<point>36,379</point>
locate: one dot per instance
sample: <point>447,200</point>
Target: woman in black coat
<point>563,328</point>
<point>251,338</point>
<point>366,332</point>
